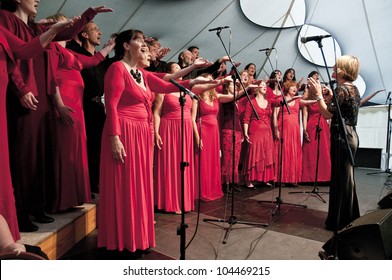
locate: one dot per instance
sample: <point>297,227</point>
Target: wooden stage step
<point>56,238</point>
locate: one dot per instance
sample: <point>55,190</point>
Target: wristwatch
<point>318,98</point>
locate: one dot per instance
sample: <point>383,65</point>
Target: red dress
<point>208,169</point>
<point>72,183</point>
<point>261,152</point>
<point>309,149</point>
<point>126,202</point>
<point>227,142</point>
<point>167,173</point>
<point>7,66</point>
<point>292,149</point>
<point>31,142</point>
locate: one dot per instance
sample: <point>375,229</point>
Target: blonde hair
<point>57,17</point>
<point>348,67</point>
<point>210,94</point>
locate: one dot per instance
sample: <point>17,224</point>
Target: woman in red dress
<point>72,184</point>
<point>11,46</point>
<point>257,132</point>
<point>126,202</point>
<point>167,156</point>
<point>206,131</point>
<point>291,150</point>
<point>31,132</point>
<point>315,129</point>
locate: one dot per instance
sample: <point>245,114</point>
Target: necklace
<point>136,75</point>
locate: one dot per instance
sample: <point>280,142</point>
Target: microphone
<point>218,28</point>
<point>266,49</point>
<point>314,38</point>
<point>184,89</point>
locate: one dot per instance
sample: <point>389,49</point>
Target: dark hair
<point>124,37</point>
<point>272,82</point>
<point>248,65</point>
<point>80,34</point>
<point>191,48</point>
<point>286,72</point>
<point>312,73</point>
<point>168,66</point>
<point>9,5</point>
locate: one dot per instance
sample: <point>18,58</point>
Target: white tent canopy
<point>358,27</point>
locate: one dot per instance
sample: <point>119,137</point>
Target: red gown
<point>31,132</point>
<point>8,48</point>
<point>72,183</point>
<point>126,202</point>
<point>208,171</point>
<point>292,149</point>
<point>309,149</point>
<point>167,173</point>
<point>227,142</point>
<point>261,152</point>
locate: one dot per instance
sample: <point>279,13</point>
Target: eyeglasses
<point>94,29</point>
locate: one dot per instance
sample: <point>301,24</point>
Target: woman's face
<point>28,7</point>
<point>244,77</point>
<point>334,72</point>
<point>251,70</point>
<point>137,48</point>
<point>174,68</point>
<point>292,90</point>
<point>278,75</point>
<point>290,75</point>
<point>263,88</point>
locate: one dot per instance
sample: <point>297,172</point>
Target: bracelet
<point>318,98</point>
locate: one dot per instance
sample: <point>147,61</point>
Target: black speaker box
<point>386,201</point>
<point>367,238</point>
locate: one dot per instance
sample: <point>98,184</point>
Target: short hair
<point>348,66</point>
<point>191,48</point>
<point>313,73</point>
<point>287,85</point>
<point>80,36</point>
<point>57,17</point>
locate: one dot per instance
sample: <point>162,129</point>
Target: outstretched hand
<point>60,25</point>
<point>102,9</point>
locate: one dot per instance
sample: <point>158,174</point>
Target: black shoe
<point>42,218</point>
<point>25,225</point>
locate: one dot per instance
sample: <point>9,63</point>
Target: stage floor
<point>294,232</point>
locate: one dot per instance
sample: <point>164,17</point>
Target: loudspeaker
<point>367,238</point>
<point>386,201</point>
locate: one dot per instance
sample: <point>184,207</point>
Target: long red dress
<point>261,152</point>
<point>31,132</point>
<point>309,149</point>
<point>126,202</point>
<point>228,127</point>
<point>167,173</point>
<point>72,183</point>
<point>208,172</point>
<point>7,66</point>
<point>292,149</point>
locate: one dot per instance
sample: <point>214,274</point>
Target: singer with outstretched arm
<point>126,201</point>
<point>343,202</point>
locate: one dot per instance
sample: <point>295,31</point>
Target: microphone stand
<point>279,200</point>
<point>315,188</point>
<point>343,135</point>
<point>181,230</point>
<point>233,219</point>
<point>388,144</point>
